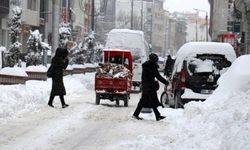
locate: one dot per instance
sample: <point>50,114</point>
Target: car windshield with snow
<point>197,68</point>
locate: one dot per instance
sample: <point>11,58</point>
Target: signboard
<point>64,13</point>
<point>227,38</point>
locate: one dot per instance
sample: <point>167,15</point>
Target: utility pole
<point>196,30</point>
<point>55,24</point>
<point>93,15</point>
<point>206,26</point>
<point>199,10</point>
<point>142,15</point>
<point>132,14</point>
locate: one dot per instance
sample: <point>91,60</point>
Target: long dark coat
<point>149,97</point>
<point>57,80</point>
<point>169,66</point>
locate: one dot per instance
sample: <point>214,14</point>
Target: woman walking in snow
<point>59,63</point>
<point>149,97</point>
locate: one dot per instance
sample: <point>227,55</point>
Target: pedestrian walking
<point>169,66</point>
<point>59,63</point>
<point>149,98</point>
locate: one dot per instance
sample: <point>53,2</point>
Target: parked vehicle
<point>113,79</point>
<point>196,70</point>
<point>134,41</point>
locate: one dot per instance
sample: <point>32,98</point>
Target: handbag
<point>157,85</point>
<point>50,71</point>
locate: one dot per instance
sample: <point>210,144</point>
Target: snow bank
<point>220,122</point>
<point>34,95</point>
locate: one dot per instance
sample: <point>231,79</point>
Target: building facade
<point>220,18</point>
<point>242,10</point>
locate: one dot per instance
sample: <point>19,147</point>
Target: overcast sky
<point>187,5</point>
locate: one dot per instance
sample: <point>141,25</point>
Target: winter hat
<point>153,57</point>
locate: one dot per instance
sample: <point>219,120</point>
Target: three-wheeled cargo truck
<point>113,79</point>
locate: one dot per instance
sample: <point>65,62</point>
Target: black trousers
<point>51,98</point>
<point>139,108</point>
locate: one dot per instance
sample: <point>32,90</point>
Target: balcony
<point>4,6</point>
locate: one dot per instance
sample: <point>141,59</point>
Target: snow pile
<point>220,122</point>
<point>113,70</point>
<point>203,65</point>
<point>33,96</point>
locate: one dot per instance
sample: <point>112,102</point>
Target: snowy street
<point>220,122</point>
<point>83,125</point>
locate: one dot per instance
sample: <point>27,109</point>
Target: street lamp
<point>199,10</point>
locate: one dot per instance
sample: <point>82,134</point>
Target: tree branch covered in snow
<point>64,34</point>
<point>89,51</point>
<point>35,48</point>
<point>12,55</point>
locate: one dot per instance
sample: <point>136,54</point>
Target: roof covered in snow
<point>125,39</point>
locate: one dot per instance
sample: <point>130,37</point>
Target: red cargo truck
<point>113,79</point>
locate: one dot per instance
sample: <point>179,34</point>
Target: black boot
<point>137,117</point>
<point>65,105</point>
<point>159,118</point>
<point>51,105</point>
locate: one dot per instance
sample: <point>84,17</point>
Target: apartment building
<point>242,8</point>
<point>221,20</point>
<point>4,14</point>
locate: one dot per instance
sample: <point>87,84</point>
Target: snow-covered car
<point>197,68</point>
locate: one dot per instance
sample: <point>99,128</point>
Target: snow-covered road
<point>222,122</point>
<point>81,126</point>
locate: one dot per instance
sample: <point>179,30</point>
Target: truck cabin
<point>123,57</point>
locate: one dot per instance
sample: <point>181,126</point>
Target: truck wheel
<point>97,99</point>
<point>126,98</point>
<point>117,102</point>
<point>177,99</point>
<point>165,99</point>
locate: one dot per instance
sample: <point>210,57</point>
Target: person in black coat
<point>149,97</point>
<point>60,62</point>
<point>169,66</point>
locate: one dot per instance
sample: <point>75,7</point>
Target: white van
<point>134,41</point>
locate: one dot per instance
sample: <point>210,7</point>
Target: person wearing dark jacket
<point>149,97</point>
<point>60,62</point>
<point>169,66</point>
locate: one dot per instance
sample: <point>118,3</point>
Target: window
<point>32,4</point>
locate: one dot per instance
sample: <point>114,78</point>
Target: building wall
<point>219,18</point>
<point>31,17</point>
<point>192,18</point>
<point>244,7</point>
<point>30,21</point>
<point>158,31</point>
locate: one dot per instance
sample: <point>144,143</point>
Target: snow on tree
<point>78,54</point>
<point>13,53</point>
<point>98,52</point>
<point>89,51</point>
<point>92,48</point>
<point>35,49</point>
<point>64,34</point>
